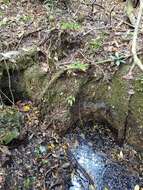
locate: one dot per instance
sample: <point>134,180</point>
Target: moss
<point>55,106</point>
<point>10,124</point>
<point>34,80</point>
<point>20,60</point>
<point>119,97</point>
<point>114,95</point>
<point>136,104</point>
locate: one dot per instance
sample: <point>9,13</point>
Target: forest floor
<point>64,32</point>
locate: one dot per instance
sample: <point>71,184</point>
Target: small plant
<point>26,18</point>
<point>77,65</point>
<point>28,182</point>
<point>4,22</point>
<point>40,150</point>
<point>70,26</point>
<point>97,43</point>
<point>6,2</point>
<point>118,59</point>
<point>70,100</point>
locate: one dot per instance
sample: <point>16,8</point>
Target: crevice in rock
<point>12,87</point>
<point>127,118</point>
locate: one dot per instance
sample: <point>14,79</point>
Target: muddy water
<point>106,174</point>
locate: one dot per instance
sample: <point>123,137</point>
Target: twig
<point>110,14</point>
<point>25,35</point>
<point>123,22</point>
<point>137,61</point>
<point>6,96</point>
<point>77,10</point>
<point>96,4</point>
<point>92,29</point>
<point>1,101</point>
<point>9,81</point>
<point>106,60</point>
<point>57,183</point>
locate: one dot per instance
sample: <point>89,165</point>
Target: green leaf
<point>118,62</point>
<point>105,188</point>
<point>10,135</point>
<point>70,100</point>
<point>118,59</point>
<point>70,26</point>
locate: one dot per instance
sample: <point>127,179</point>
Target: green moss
<point>21,59</point>
<point>137,101</point>
<point>55,105</point>
<point>70,26</point>
<point>10,124</point>
<point>35,81</point>
<point>28,182</point>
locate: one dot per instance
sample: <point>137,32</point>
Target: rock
<point>12,66</point>
<point>116,100</point>
<point>134,129</point>
<point>10,124</point>
<point>55,107</point>
<point>18,59</point>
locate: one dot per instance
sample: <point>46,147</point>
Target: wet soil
<point>39,160</point>
<point>109,165</point>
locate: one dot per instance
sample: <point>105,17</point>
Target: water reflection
<point>106,174</point>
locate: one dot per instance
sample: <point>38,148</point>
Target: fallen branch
<point>1,92</point>
<point>109,60</point>
<point>9,82</point>
<point>137,61</point>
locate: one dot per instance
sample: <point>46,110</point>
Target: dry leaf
<point>121,155</point>
<point>26,108</point>
<point>137,187</point>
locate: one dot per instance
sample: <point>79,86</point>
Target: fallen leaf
<point>121,155</point>
<point>26,108</point>
<point>5,150</point>
<point>1,179</point>
<point>128,77</point>
<point>137,187</point>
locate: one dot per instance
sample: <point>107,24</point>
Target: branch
<point>137,61</point>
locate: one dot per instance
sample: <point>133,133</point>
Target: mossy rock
<point>18,60</point>
<point>55,105</point>
<point>105,102</point>
<point>94,97</point>
<point>10,124</point>
<point>34,81</point>
<point>134,134</point>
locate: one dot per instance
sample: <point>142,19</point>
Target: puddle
<point>106,174</point>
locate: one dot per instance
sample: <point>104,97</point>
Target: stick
<point>6,96</point>
<point>137,61</point>
<point>9,82</point>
